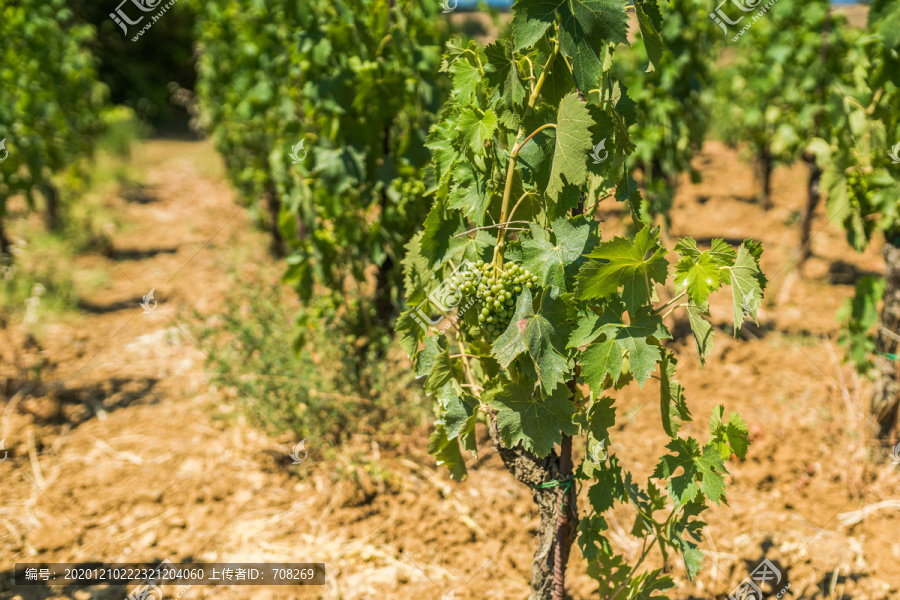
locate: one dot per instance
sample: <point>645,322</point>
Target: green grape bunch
<point>493,293</point>
<point>858,189</point>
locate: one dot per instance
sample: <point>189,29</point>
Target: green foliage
<point>859,316</point>
<point>356,82</point>
<point>862,176</point>
<point>591,322</point>
<point>316,394</point>
<point>673,99</point>
<point>862,179</point>
<point>778,94</point>
<point>139,73</point>
<point>49,117</point>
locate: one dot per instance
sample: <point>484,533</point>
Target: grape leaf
<point>437,240</point>
<point>475,130</point>
<point>606,357</point>
<point>470,192</point>
<point>597,422</point>
<point>701,273</point>
<point>586,27</point>
<point>731,436</point>
<point>461,412</point>
<point>558,260</point>
<point>624,113</point>
<point>587,329</point>
<point>601,418</point>
<point>592,544</point>
<point>722,253</point>
<point>573,144</point>
<point>702,472</point>
<point>440,142</point>
<point>627,190</point>
<point>746,292</point>
<point>700,276</point>
<point>621,263</point>
<point>426,358</point>
<point>673,406</point>
<point>536,157</point>
<point>558,81</point>
<point>417,275</point>
<point>466,77</point>
<point>688,534</point>
<point>411,333</point>
<point>440,372</point>
<point>542,334</point>
<point>531,19</point>
<point>446,452</point>
<point>650,21</point>
<point>701,328</point>
<point>525,416</point>
<point>611,573</point>
<point>608,486</point>
<point>502,72</point>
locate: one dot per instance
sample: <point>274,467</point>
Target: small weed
<point>327,390</point>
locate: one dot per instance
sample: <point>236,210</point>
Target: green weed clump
<point>329,389</point>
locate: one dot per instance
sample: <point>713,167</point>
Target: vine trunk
<point>51,217</point>
<point>764,174</point>
<point>809,211</point>
<point>887,394</point>
<point>534,471</point>
<point>273,204</point>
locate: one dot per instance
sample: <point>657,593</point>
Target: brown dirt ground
<point>119,457</point>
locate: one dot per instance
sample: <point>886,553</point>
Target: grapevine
<point>672,100</point>
<point>863,185</point>
<point>52,118</point>
<point>357,83</point>
<point>781,63</point>
<point>511,236</point>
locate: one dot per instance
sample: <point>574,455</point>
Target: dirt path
<point>122,462</point>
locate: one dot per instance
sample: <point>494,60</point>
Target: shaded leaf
<point>525,416</point>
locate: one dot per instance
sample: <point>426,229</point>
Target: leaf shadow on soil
<point>844,273</point>
<point>74,406</point>
<point>139,253</point>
